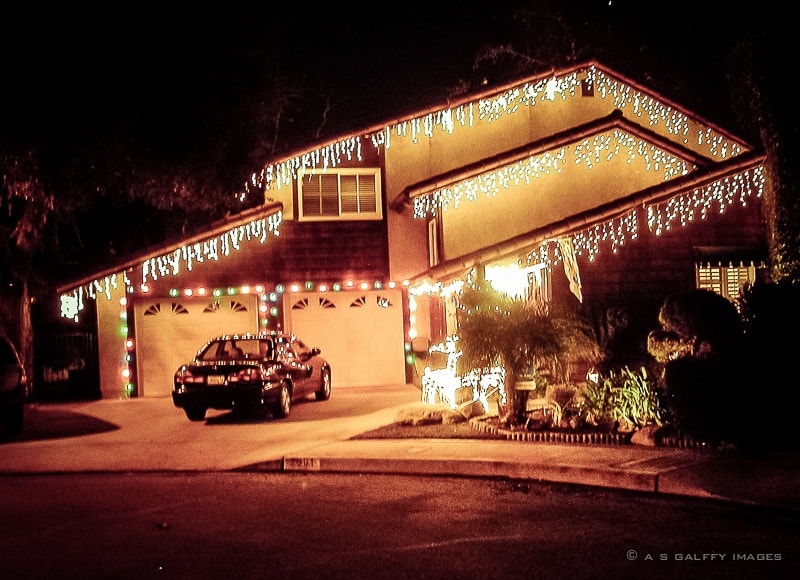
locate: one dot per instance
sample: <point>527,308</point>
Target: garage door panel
<point>169,332</point>
<point>360,333</point>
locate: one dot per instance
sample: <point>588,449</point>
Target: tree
<point>73,203</point>
<point>495,329</point>
<point>763,106</point>
<point>27,206</point>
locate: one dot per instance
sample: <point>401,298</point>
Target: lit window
<point>347,194</point>
<point>726,281</point>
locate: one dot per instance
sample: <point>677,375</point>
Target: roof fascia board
<point>498,90</point>
<point>655,194</point>
<point>216,228</point>
<point>564,138</point>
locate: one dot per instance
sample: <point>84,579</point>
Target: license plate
<point>215,379</point>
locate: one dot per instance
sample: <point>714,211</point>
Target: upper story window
<point>726,281</point>
<point>340,194</point>
<point>726,269</point>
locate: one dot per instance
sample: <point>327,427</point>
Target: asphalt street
<point>150,434</point>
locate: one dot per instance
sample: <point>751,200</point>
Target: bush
<point>625,399</point>
<point>727,375</point>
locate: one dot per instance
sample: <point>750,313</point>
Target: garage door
<point>360,333</point>
<point>169,332</point>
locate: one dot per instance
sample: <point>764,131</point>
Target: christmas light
<point>544,92</point>
<point>589,153</point>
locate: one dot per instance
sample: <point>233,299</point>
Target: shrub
<point>627,399</point>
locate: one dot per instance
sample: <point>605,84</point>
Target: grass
<point>429,431</point>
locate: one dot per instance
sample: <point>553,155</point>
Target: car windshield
<point>7,357</point>
<point>238,349</point>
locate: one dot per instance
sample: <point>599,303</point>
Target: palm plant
<point>521,336</point>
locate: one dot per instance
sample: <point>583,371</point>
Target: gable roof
<point>694,188</point>
<point>635,101</point>
<point>615,120</point>
<point>632,101</point>
<point>255,224</point>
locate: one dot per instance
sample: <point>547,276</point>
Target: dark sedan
<point>246,372</point>
<point>13,388</point>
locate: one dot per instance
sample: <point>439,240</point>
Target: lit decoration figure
<point>440,385</point>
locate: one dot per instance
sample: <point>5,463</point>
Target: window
<point>348,194</point>
<point>726,281</point>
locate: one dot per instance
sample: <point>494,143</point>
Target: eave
<point>658,193</point>
<point>294,160</point>
<point>616,120</point>
<point>216,228</point>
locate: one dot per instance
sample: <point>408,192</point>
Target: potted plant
<point>522,337</point>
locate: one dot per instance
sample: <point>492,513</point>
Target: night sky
<point>161,86</point>
<point>79,70</point>
<point>76,79</point>
<point>68,70</point>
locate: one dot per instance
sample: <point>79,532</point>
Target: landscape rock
<point>421,414</point>
<point>471,409</point>
<point>650,435</point>
<point>452,417</point>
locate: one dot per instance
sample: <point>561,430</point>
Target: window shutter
<point>329,195</point>
<point>343,193</point>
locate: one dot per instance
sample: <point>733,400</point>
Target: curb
<point>566,474</point>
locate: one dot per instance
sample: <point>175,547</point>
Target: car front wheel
<point>195,413</point>
<point>13,420</point>
<point>324,392</point>
<point>283,407</point>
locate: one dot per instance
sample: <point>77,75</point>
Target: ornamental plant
<point>497,330</point>
<point>626,399</point>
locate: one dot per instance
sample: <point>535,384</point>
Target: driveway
<point>151,434</point>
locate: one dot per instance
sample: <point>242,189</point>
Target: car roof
<point>254,336</point>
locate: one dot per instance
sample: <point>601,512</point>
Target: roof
<point>330,152</point>
<point>748,163</point>
<point>214,230</point>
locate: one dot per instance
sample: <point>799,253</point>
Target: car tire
<point>324,392</point>
<point>195,413</point>
<point>13,421</point>
<point>283,407</point>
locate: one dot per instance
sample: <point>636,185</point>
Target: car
<point>262,372</point>
<point>13,388</point>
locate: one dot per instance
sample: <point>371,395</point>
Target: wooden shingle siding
<point>648,269</point>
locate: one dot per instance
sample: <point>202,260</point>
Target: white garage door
<point>169,332</point>
<point>360,333</point>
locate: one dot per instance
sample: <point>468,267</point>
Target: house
<point>575,185</point>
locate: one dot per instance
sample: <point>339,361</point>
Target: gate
<point>65,367</point>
